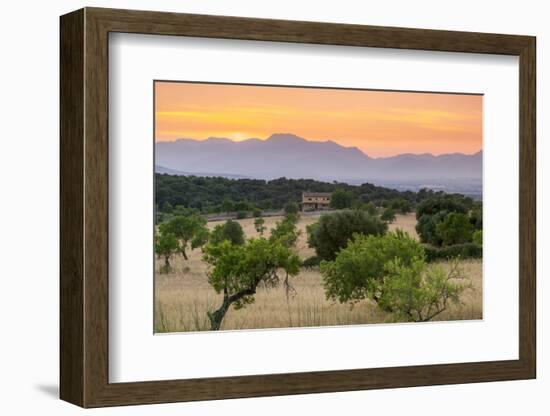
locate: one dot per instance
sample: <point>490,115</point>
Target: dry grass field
<point>184,296</point>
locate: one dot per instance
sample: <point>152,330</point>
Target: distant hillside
<point>168,171</point>
<point>287,155</point>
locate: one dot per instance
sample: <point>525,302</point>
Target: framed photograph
<point>254,207</point>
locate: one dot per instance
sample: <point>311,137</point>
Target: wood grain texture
<point>71,208</point>
<point>84,207</point>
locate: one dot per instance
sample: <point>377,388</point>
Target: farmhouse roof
<point>315,194</point>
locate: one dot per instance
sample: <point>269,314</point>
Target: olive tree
<point>230,231</point>
<point>237,270</point>
<point>184,229</point>
<point>291,208</point>
<point>259,225</point>
<point>388,215</point>
<point>285,231</point>
<point>166,245</point>
<point>200,238</point>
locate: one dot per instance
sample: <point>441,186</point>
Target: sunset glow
<point>380,123</point>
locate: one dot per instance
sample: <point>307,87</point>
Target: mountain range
<point>284,154</point>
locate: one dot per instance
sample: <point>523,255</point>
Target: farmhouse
<point>315,201</point>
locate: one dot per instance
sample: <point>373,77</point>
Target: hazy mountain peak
<point>286,154</point>
<point>218,139</point>
<point>286,137</point>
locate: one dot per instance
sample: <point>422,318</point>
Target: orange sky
<point>380,123</point>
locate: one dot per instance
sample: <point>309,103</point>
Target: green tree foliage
<point>426,228</point>
<point>456,251</point>
<point>401,205</point>
<point>227,206</point>
<point>292,208</point>
<point>256,213</point>
<point>341,199</point>
<point>217,195</point>
<point>243,206</point>
<point>444,202</point>
<point>237,270</point>
<point>165,246</point>
<point>285,231</point>
<point>455,229</point>
<point>476,216</point>
<point>332,232</point>
<point>200,238</point>
<point>390,270</point>
<point>180,210</point>
<point>388,215</point>
<point>358,270</point>
<point>184,229</point>
<point>293,218</point>
<point>241,215</point>
<point>419,293</point>
<point>434,210</point>
<point>370,208</point>
<point>228,231</point>
<point>259,225</point>
<point>477,237</point>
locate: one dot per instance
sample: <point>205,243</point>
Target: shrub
<point>391,271</point>
<point>183,211</point>
<point>230,231</point>
<point>359,269</point>
<point>341,199</point>
<point>454,229</point>
<point>292,208</point>
<point>259,225</point>
<point>477,237</point>
<point>426,228</point>
<point>401,205</point>
<point>388,215</point>
<point>241,215</point>
<point>418,293</point>
<point>370,208</point>
<point>167,207</point>
<point>445,202</point>
<point>463,251</point>
<point>332,232</point>
<point>257,213</point>
<point>228,205</point>
<point>243,206</point>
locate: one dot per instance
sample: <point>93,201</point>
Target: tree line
<point>207,195</point>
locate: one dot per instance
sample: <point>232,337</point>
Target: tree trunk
<point>184,254</point>
<point>217,316</point>
<point>167,263</point>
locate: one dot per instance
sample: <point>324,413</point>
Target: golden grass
<point>184,296</point>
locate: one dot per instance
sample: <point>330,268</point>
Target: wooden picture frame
<point>84,207</point>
